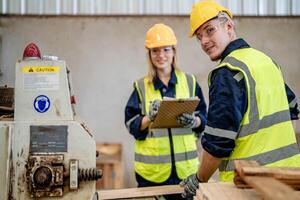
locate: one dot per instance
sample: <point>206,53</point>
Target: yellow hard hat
<point>203,12</point>
<point>160,35</point>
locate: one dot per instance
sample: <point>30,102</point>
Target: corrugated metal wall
<point>145,7</point>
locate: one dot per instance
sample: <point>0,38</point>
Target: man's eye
<point>210,30</point>
<point>199,37</point>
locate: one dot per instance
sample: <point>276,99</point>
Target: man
<point>250,106</point>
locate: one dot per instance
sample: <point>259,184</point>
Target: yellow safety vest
<point>153,155</point>
<point>266,133</point>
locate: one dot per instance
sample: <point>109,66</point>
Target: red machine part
<point>31,51</point>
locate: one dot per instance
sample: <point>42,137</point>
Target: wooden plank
<point>278,173</point>
<point>109,153</point>
<point>271,189</point>
<point>239,164</point>
<point>110,161</point>
<point>287,175</point>
<point>244,167</point>
<point>107,176</point>
<point>225,191</point>
<point>139,192</point>
<point>118,175</point>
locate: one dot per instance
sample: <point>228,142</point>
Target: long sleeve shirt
<point>228,104</point>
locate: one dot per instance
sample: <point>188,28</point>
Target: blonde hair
<point>151,66</point>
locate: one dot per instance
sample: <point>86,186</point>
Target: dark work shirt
<point>228,104</point>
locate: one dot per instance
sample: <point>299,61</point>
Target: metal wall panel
<point>235,6</point>
<point>135,7</point>
<point>13,6</point>
<point>152,7</point>
<point>266,6</point>
<point>250,7</point>
<point>84,7</point>
<point>295,7</point>
<point>67,6</point>
<point>50,7</point>
<point>145,7</point>
<point>283,7</point>
<point>34,7</point>
<point>101,6</point>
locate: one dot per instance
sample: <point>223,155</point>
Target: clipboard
<point>171,108</point>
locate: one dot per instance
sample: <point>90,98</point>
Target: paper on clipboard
<point>171,108</point>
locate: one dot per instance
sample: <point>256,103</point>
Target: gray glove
<point>187,120</point>
<point>154,106</point>
<point>190,184</point>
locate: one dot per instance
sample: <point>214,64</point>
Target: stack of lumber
<point>270,182</point>
<point>109,160</point>
<point>253,182</point>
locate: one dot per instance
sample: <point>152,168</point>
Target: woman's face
<point>162,57</point>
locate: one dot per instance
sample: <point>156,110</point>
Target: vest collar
<point>234,45</point>
<point>158,84</point>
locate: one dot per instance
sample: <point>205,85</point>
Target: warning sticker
<point>41,77</point>
<point>40,69</point>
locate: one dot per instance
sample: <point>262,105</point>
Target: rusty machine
<point>45,152</point>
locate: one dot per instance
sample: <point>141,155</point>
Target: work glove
<point>187,120</point>
<point>154,106</point>
<point>190,184</point>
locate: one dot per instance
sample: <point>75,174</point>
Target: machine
<point>45,152</point>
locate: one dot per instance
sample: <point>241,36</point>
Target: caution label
<point>40,69</point>
<point>41,77</point>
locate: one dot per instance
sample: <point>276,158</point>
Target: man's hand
<point>187,120</point>
<point>154,106</point>
<point>190,184</point>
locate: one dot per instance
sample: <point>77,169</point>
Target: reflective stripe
<point>253,114</point>
<point>163,132</point>
<point>220,132</point>
<point>141,87</point>
<point>181,131</point>
<point>165,158</point>
<point>190,82</point>
<point>128,123</point>
<point>267,121</point>
<point>186,156</point>
<point>152,159</point>
<point>158,132</point>
<point>265,158</point>
<point>239,76</point>
<point>254,122</point>
<point>293,103</point>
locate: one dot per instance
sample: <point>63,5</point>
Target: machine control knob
<point>42,177</point>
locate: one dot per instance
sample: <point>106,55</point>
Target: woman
<point>164,156</point>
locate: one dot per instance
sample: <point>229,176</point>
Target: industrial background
<point>102,42</point>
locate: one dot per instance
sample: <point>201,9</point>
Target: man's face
<point>214,37</point>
